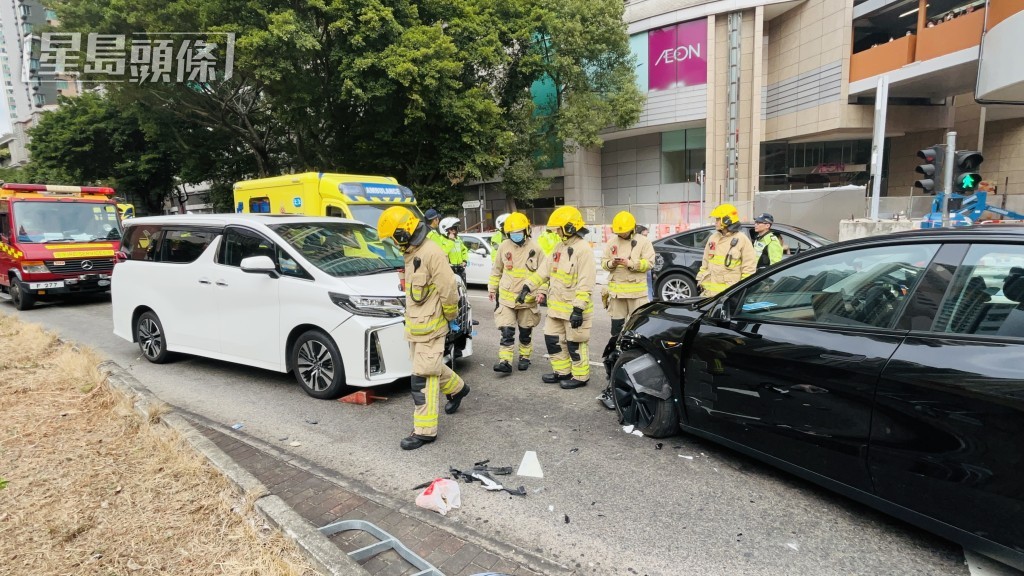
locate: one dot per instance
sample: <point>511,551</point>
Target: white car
<point>319,297</point>
<point>478,269</point>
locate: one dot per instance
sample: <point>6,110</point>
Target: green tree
<point>433,92</point>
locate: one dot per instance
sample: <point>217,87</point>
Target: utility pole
<point>878,143</point>
<point>947,168</point>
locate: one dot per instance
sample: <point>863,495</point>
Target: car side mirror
<point>718,315</point>
<point>259,265</point>
<point>481,251</point>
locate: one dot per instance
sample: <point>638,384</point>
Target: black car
<point>677,257</point>
<point>889,369</point>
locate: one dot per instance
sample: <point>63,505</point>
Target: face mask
<point>518,237</point>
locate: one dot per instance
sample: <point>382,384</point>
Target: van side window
<point>240,244</point>
<point>5,226</point>
<point>142,242</point>
<point>335,212</point>
<point>184,246</point>
<point>259,205</point>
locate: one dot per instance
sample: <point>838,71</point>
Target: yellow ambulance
<point>353,196</point>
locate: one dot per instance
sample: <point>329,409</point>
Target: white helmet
<point>447,224</point>
<point>499,222</point>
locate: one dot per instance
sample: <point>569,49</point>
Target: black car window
<point>691,239</point>
<point>240,243</point>
<point>864,287</point>
<point>986,296</point>
<point>791,245</point>
<point>184,246</point>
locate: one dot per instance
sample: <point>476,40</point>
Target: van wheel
<point>317,365</point>
<point>649,414</point>
<point>149,333</point>
<point>20,297</point>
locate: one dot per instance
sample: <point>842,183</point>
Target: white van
<point>316,296</point>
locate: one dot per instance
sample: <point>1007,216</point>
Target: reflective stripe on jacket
<point>431,297</point>
<point>513,265</point>
<point>570,272</point>
<point>768,249</point>
<point>623,281</point>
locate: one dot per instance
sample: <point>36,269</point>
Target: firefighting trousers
<point>506,319</point>
<point>567,348</point>
<point>430,377</point>
<point>621,308</point>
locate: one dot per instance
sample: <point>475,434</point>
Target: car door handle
<point>204,281</point>
<point>221,283</point>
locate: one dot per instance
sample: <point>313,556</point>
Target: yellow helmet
<point>567,219</point>
<point>399,223</point>
<point>728,213</point>
<point>515,222</point>
<point>623,223</point>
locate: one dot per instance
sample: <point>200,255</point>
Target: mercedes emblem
<point>87,264</point>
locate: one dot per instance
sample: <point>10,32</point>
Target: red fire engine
<point>56,241</point>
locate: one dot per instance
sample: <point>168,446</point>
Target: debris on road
<point>630,429</point>
<point>294,444</point>
<point>530,466</point>
<point>308,421</point>
<point>687,457</point>
<point>441,495</point>
<point>658,446</point>
<point>566,518</point>
<point>362,398</point>
<point>237,426</point>
<point>574,450</point>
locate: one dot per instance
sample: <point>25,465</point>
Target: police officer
<point>433,218</point>
<point>571,272</point>
<point>498,237</point>
<point>518,258</point>
<point>767,245</point>
<point>454,247</point>
<point>431,305</point>
<point>728,255</point>
<point>627,258</point>
<point>548,240</point>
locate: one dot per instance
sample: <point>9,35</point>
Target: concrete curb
<point>531,561</point>
<point>325,556</point>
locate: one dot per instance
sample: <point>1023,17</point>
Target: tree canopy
<point>432,92</point>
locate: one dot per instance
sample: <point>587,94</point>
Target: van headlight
<point>34,267</point>
<point>376,306</point>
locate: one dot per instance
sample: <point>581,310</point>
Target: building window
<point>51,14</point>
<point>39,99</point>
<point>682,155</point>
<point>62,84</point>
<point>26,10</point>
<point>26,28</point>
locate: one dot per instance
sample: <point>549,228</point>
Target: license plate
<point>45,285</point>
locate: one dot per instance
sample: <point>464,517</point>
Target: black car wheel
<point>149,333</point>
<point>654,416</point>
<point>316,363</point>
<point>21,299</point>
<point>677,287</point>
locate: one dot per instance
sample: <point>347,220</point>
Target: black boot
<point>455,400</point>
<point>554,378</point>
<point>524,363</point>
<point>574,383</point>
<point>414,441</point>
<point>606,398</point>
<point>503,366</point>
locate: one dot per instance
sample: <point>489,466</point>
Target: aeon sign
<point>677,56</point>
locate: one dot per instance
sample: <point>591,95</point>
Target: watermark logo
<point>169,57</point>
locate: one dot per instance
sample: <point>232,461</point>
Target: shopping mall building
<point>747,97</point>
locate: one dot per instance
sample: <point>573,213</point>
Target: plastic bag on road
<point>441,496</point>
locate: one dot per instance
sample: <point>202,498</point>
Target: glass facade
<point>786,166</point>
<point>682,155</point>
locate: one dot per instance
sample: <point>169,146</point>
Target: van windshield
<point>48,221</point>
<point>369,214</point>
<point>341,248</point>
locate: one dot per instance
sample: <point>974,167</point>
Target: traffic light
<point>931,169</point>
<point>965,171</point>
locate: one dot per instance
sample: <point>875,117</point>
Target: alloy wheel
<point>151,339</point>
<point>316,366</point>
<point>675,289</point>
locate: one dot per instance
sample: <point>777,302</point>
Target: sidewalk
<point>300,497</point>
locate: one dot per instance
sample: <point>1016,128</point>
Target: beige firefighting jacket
<point>571,272</point>
<point>431,296</point>
<point>728,258</point>
<point>628,281</point>
<point>512,266</point>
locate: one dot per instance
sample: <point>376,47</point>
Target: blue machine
<point>965,210</point>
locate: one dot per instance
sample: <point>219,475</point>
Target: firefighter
<point>518,258</point>
<point>570,271</point>
<point>497,238</point>
<point>454,247</point>
<point>767,245</point>
<point>548,240</point>
<point>627,258</point>
<point>728,255</point>
<point>431,305</point>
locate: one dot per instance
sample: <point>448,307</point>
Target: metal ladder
<point>386,542</point>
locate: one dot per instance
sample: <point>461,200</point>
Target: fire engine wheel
<point>20,297</point>
<point>316,363</point>
<point>149,333</point>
